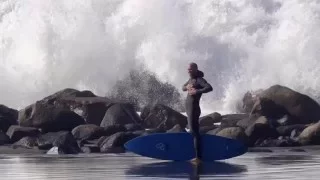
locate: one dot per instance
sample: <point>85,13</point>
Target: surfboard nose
<point>130,144</point>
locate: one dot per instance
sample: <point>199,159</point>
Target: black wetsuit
<point>193,108</point>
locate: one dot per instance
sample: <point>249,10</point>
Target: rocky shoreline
<point>72,122</point>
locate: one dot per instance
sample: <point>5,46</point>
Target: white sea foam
<point>47,45</point>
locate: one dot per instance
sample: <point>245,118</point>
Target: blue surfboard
<point>179,147</point>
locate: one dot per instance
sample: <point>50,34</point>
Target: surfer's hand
<point>189,87</point>
<point>192,91</point>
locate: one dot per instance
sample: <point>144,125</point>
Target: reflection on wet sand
<point>285,159</point>
<point>186,169</point>
<point>251,166</point>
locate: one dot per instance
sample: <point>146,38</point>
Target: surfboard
<point>179,147</point>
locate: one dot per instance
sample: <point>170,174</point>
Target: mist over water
<point>241,45</point>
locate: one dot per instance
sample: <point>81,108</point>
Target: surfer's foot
<point>195,161</point>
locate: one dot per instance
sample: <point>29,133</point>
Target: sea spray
<point>240,45</point>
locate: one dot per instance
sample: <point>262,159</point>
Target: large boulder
<point>63,140</point>
<point>248,101</point>
<point>26,142</point>
<point>286,120</point>
<point>108,131</point>
<point>210,119</point>
<point>310,135</point>
<point>16,132</point>
<point>121,114</point>
<point>248,121</point>
<point>112,129</point>
<point>90,148</point>
<point>88,132</point>
<point>266,107</point>
<point>206,129</point>
<point>162,117</point>
<point>85,103</point>
<point>49,118</point>
<point>287,130</point>
<point>176,129</point>
<point>100,140</point>
<point>133,127</point>
<point>260,131</point>
<point>214,131</point>
<point>4,138</point>
<point>139,133</point>
<point>8,117</point>
<point>66,93</point>
<point>236,133</point>
<point>231,120</point>
<point>115,142</point>
<point>278,101</point>
<point>256,118</point>
<point>91,109</point>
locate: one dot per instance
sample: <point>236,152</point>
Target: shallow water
<point>277,165</point>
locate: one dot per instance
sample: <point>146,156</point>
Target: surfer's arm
<point>206,87</point>
<point>184,87</point>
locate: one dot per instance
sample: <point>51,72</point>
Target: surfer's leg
<point>196,133</point>
<point>193,121</point>
<point>193,113</point>
<point>190,118</point>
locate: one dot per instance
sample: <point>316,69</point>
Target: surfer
<point>195,86</point>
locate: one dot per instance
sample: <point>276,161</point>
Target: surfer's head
<point>193,69</point>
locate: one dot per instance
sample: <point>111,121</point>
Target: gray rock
<point>88,132</point>
<point>16,132</point>
<point>176,129</point>
<point>120,114</point>
<point>49,118</point>
<point>90,148</point>
<point>236,133</point>
<point>260,131</point>
<point>231,120</point>
<point>26,142</point>
<point>277,101</point>
<point>133,127</point>
<point>91,109</point>
<point>115,142</point>
<point>4,139</point>
<point>206,129</point>
<point>284,142</point>
<point>287,130</point>
<point>310,135</point>
<point>215,131</point>
<point>62,139</point>
<point>210,119</point>
<point>112,129</point>
<point>162,117</point>
<point>246,122</point>
<point>8,117</point>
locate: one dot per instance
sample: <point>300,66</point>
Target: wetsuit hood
<point>200,74</point>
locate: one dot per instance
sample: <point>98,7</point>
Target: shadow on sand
<point>185,169</point>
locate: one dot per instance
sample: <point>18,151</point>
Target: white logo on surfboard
<point>161,146</point>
